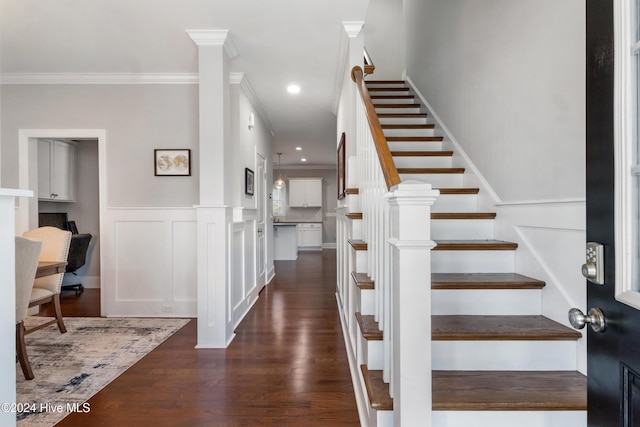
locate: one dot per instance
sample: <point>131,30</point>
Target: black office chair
<point>76,259</point>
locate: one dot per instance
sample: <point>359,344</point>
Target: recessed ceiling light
<point>303,159</point>
<point>293,89</point>
<point>298,148</point>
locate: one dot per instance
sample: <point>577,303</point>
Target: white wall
<point>507,78</point>
<point>384,38</point>
<point>137,119</point>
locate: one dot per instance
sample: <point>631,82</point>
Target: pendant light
<point>279,184</point>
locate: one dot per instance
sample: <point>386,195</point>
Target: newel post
<point>410,249</point>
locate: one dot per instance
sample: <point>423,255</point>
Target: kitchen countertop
<point>296,222</point>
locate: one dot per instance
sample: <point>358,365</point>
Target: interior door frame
<point>27,213</point>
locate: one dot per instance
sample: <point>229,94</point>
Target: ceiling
<point>279,42</point>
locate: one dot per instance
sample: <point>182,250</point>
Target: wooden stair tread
<point>509,390</point>
<point>422,153</point>
<point>430,170</point>
<point>362,280</point>
<point>391,97</point>
<point>463,215</point>
<point>377,389</point>
<point>358,245</point>
<point>382,82</point>
<point>499,328</point>
<point>354,215</point>
<point>369,327</point>
<point>408,126</point>
<point>388,89</point>
<point>352,191</point>
<point>402,116</point>
<point>414,138</point>
<point>413,105</point>
<point>474,245</point>
<point>484,281</point>
<point>458,191</point>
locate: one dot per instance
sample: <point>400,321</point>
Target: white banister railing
<point>396,228</point>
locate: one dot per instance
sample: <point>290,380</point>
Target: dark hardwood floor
<point>287,365</point>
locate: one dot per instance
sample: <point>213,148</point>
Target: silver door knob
<point>594,317</point>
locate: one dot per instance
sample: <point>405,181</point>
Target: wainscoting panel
<point>138,247</point>
<point>149,262</point>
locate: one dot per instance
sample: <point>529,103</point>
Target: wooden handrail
<point>389,170</point>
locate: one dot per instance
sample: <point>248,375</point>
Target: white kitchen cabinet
<point>310,236</point>
<point>305,192</point>
<point>56,170</point>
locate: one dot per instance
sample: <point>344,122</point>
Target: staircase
<point>496,360</point>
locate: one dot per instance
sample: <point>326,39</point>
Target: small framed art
<point>248,181</point>
<point>172,162</point>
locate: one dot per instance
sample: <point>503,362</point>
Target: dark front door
<point>613,360</point>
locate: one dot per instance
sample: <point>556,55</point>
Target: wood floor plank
<point>287,365</point>
<point>509,390</point>
<point>499,328</point>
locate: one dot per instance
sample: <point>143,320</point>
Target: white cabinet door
<point>56,171</point>
<point>305,192</point>
<point>310,236</point>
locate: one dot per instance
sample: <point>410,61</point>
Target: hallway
<point>287,365</point>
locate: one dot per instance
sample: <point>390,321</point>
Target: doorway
<point>27,212</point>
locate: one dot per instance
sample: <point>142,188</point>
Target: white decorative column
<point>411,245</point>
<point>7,302</point>
<point>215,48</point>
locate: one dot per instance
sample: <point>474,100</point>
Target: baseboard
<point>329,245</point>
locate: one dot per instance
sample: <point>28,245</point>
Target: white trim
<point>351,30</point>
<point>329,246</point>
<point>240,79</point>
<point>98,78</point>
<point>215,38</point>
<point>26,137</point>
<point>624,141</point>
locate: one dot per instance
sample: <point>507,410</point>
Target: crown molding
<point>353,28</point>
<point>98,78</point>
<point>240,79</point>
<point>215,38</point>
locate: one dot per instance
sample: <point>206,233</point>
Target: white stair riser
<point>409,132</point>
<point>361,261</point>
<point>356,229</point>
<point>460,229</point>
<point>377,101</point>
<point>422,161</point>
<point>371,353</point>
<point>472,261</point>
<point>415,145</point>
<point>455,203</point>
<point>353,200</point>
<point>379,92</point>
<point>435,179</point>
<point>403,110</point>
<point>509,418</point>
<point>367,302</point>
<point>504,355</point>
<point>402,120</point>
<point>487,302</point>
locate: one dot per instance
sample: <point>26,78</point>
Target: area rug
<point>70,368</point>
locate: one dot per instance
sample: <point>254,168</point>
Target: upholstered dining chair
<point>27,256</point>
<point>55,247</point>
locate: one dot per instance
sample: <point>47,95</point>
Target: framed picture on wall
<point>172,162</point>
<point>248,181</point>
<point>342,180</point>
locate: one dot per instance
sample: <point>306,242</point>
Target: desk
<point>47,268</point>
